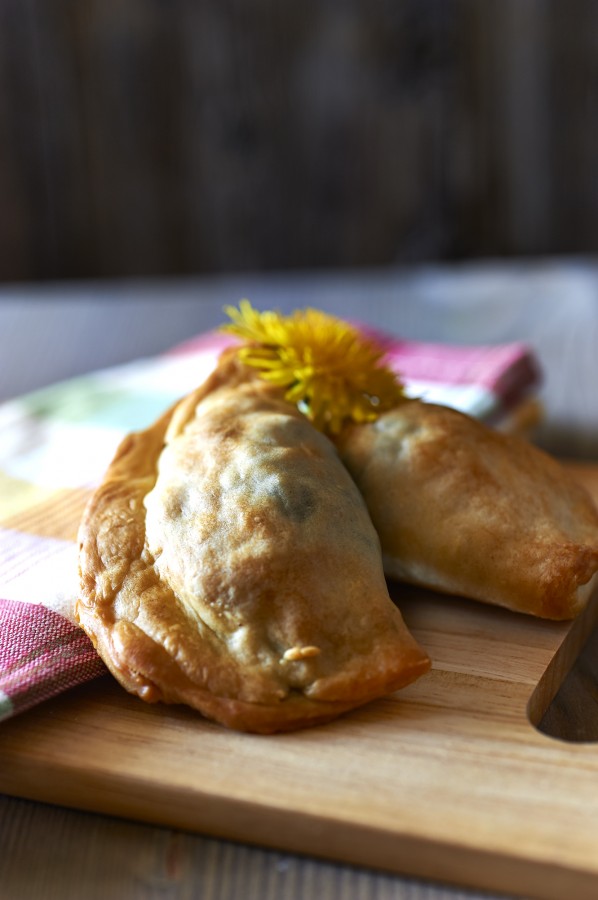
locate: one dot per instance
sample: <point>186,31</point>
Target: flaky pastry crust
<point>462,509</point>
<point>228,562</point>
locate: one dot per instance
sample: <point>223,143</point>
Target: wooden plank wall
<point>153,137</point>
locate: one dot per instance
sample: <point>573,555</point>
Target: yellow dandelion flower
<point>331,372</point>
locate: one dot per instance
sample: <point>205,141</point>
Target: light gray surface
<point>82,856</point>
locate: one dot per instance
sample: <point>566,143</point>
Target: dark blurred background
<point>154,137</point>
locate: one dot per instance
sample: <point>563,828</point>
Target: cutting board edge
<point>331,839</point>
<point>564,658</point>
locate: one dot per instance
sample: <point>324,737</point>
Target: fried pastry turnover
<point>228,562</point>
<point>462,509</point>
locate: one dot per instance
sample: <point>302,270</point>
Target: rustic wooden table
<point>52,332</point>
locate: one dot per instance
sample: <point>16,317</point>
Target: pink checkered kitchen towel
<point>57,442</point>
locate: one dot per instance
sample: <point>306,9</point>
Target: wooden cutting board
<point>448,779</point>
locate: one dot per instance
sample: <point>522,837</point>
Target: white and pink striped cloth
<point>57,442</point>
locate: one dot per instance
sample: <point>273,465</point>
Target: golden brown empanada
<point>228,562</point>
<point>462,509</point>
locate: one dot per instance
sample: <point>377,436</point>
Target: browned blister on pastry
<point>228,562</point>
<point>463,509</point>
